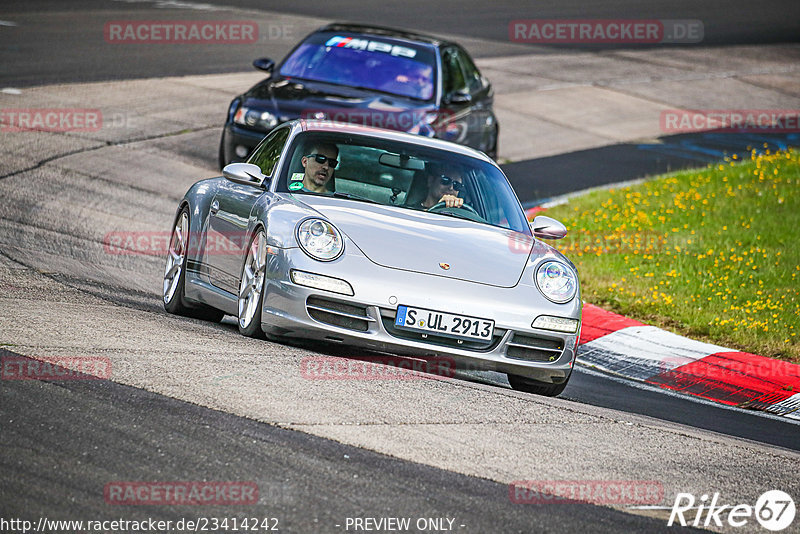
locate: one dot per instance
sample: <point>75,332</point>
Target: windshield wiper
<point>354,197</point>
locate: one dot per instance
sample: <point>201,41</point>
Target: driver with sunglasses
<point>319,163</point>
<point>444,187</point>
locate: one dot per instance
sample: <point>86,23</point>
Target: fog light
<point>559,324</point>
<point>241,151</point>
<point>318,281</point>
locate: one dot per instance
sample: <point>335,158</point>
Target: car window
<point>399,174</point>
<point>267,153</point>
<point>472,75</point>
<point>452,75</point>
<point>377,63</point>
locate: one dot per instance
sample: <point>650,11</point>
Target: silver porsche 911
<point>382,240</point>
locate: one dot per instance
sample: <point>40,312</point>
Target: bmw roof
<point>384,32</point>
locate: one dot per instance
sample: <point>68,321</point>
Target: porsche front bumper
<point>366,319</point>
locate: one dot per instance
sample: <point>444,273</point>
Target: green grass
<point>712,253</point>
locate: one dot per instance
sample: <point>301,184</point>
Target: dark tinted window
<point>376,63</point>
<point>472,75</point>
<point>267,153</point>
<point>452,75</point>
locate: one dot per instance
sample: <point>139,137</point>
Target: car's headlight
<point>255,118</point>
<point>426,125</point>
<point>320,239</point>
<point>556,281</point>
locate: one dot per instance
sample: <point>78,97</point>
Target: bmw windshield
<point>368,62</point>
<point>403,175</point>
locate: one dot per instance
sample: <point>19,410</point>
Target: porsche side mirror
<point>244,173</point>
<point>264,63</point>
<point>545,227</point>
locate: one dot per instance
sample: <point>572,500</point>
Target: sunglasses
<point>319,158</point>
<point>447,181</point>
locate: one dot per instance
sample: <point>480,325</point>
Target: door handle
<point>214,207</point>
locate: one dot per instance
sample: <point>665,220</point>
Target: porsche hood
<point>428,243</point>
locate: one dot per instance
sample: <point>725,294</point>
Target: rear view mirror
<point>264,63</point>
<point>545,227</point>
<point>401,161</point>
<point>244,173</point>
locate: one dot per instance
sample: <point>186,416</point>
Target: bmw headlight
<point>556,281</point>
<point>255,118</point>
<point>320,239</point>
<point>426,125</point>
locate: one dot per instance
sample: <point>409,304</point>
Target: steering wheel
<point>441,206</point>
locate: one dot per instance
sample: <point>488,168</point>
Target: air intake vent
<point>534,349</point>
<point>339,314</point>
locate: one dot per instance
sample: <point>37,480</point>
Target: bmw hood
<point>428,243</point>
<point>290,99</point>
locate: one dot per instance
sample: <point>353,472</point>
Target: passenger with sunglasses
<point>444,186</point>
<point>320,161</point>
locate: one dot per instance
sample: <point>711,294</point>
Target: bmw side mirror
<point>545,227</point>
<point>459,97</point>
<point>264,63</point>
<point>244,173</point>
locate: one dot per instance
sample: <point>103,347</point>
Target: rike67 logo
<point>774,510</point>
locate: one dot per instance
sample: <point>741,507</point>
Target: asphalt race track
<point>193,401</point>
<point>538,180</point>
<point>296,472</point>
<point>42,49</point>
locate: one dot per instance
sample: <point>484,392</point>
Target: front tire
<point>175,272</point>
<point>521,383</point>
<point>173,294</point>
<point>251,287</point>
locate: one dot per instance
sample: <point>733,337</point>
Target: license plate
<point>444,324</point>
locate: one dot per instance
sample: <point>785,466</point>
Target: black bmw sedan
<point>372,76</point>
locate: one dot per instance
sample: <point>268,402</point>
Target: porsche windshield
<point>408,176</point>
<point>380,64</point>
